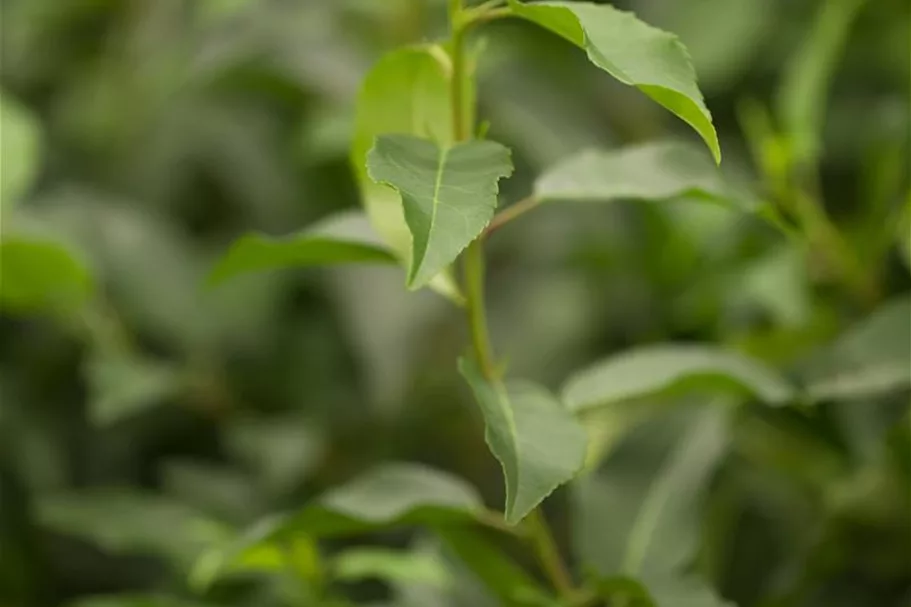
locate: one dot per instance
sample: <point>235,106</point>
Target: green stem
<point>549,555</point>
<point>477,316</point>
<point>512,212</point>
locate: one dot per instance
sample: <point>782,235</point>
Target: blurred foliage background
<point>170,415</point>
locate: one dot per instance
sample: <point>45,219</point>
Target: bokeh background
<point>167,128</point>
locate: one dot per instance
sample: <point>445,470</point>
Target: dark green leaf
<point>661,591</point>
<point>346,238</point>
<point>39,275</point>
<point>449,194</point>
<point>539,444</point>
<point>871,359</point>
<point>673,369</point>
<point>633,52</point>
<point>134,600</point>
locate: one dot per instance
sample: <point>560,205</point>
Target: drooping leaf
<point>639,515</point>
<point>346,238</point>
<point>407,92</point>
<point>804,89</point>
<point>673,369</point>
<point>537,441</point>
<point>661,591</point>
<point>390,565</point>
<point>631,51</point>
<point>449,194</point>
<point>126,521</point>
<point>41,276</point>
<point>871,359</point>
<point>391,495</point>
<point>20,140</point>
<point>651,171</point>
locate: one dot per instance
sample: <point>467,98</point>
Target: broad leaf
<point>449,194</point>
<point>640,514</point>
<point>391,495</point>
<point>39,276</point>
<point>673,369</point>
<point>346,238</point>
<point>633,52</point>
<point>870,359</point>
<point>407,92</point>
<point>537,441</point>
<point>660,591</point>
<point>19,152</point>
<point>652,171</point>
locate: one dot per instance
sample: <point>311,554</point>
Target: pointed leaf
<point>391,495</point>
<point>41,276</point>
<point>673,369</point>
<point>633,52</point>
<point>346,238</point>
<point>871,359</point>
<point>449,194</point>
<point>407,92</point>
<point>537,441</point>
<point>652,171</point>
<point>640,514</point>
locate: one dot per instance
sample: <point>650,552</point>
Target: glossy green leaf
<point>41,276</point>
<point>20,146</point>
<point>804,89</point>
<point>389,565</point>
<point>651,171</point>
<point>633,52</point>
<point>661,591</point>
<point>449,194</point>
<point>673,369</point>
<point>391,495</point>
<point>871,359</point>
<point>640,514</point>
<point>539,444</point>
<point>407,92</point>
<point>346,238</point>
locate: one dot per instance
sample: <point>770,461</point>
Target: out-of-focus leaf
<point>347,238</point>
<point>406,92</point>
<point>779,284</point>
<point>449,194</point>
<point>393,494</point>
<point>41,276</point>
<point>804,90</point>
<point>127,521</point>
<point>537,441</point>
<point>134,600</point>
<point>391,566</point>
<point>672,369</point>
<point>20,146</point>
<point>661,591</point>
<point>904,232</point>
<point>640,514</point>
<point>219,491</point>
<point>871,359</point>
<point>124,385</point>
<point>652,171</point>
<point>633,52</point>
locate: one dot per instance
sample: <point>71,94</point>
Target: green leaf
<point>391,495</point>
<point>20,146</point>
<point>651,171</point>
<point>804,89</point>
<point>389,565</point>
<point>537,441</point>
<point>122,386</point>
<point>871,359</point>
<point>133,600</point>
<point>449,194</point>
<point>669,369</point>
<point>640,514</point>
<point>661,591</point>
<point>633,52</point>
<point>407,92</point>
<point>346,238</point>
<point>41,276</point>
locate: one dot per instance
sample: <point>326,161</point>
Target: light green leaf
<point>346,238</point>
<point>41,276</point>
<point>661,591</point>
<point>633,52</point>
<point>871,359</point>
<point>407,92</point>
<point>537,441</point>
<point>391,495</point>
<point>804,89</point>
<point>20,146</point>
<point>652,171</point>
<point>122,385</point>
<point>673,369</point>
<point>640,514</point>
<point>388,565</point>
<point>126,521</point>
<point>449,194</point>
